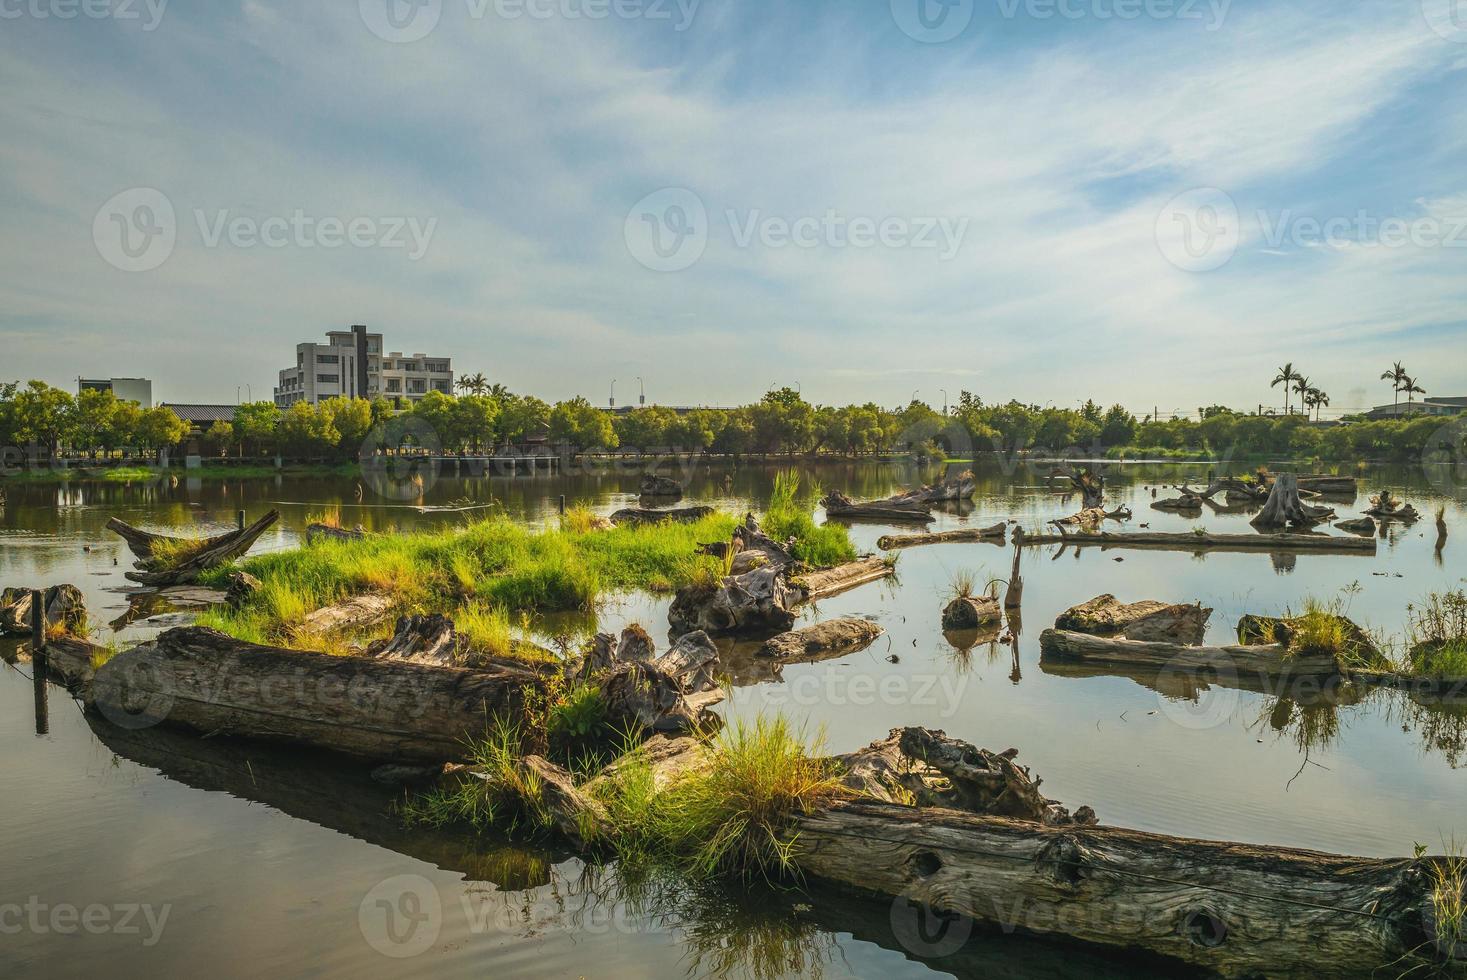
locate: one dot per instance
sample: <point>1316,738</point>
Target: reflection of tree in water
<point>1284,562</point>
<point>1309,718</point>
<point>1442,726</point>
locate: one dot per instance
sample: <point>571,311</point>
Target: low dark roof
<point>1455,400</point>
<point>202,413</point>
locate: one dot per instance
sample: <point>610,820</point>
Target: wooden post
<point>562,505</point>
<point>241,520</point>
<point>38,660</point>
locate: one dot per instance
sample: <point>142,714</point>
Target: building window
<point>418,387</point>
<point>409,365</point>
<point>327,359</point>
<point>328,379</point>
<point>394,385</point>
<point>441,386</point>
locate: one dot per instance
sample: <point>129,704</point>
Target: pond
<point>142,853</point>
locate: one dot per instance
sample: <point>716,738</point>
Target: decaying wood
<point>757,601</point>
<point>200,556</point>
<point>242,588</point>
<point>65,608</point>
<point>1363,525</point>
<point>1230,909</point>
<point>1186,503</point>
<point>1094,516</point>
<point>372,708</point>
<point>1441,530</point>
<point>687,515</point>
<point>1337,485</point>
<point>1360,646</point>
<point>1235,490</point>
<point>1148,620</point>
<point>356,613</point>
<point>661,486</point>
<point>330,532</point>
<point>896,510</point>
<point>1206,541</point>
<point>1013,597</point>
<point>844,635</point>
<point>992,535</point>
<point>1269,661</point>
<point>971,612</point>
<point>828,582</point>
<point>1284,508</point>
<point>1386,506</point>
<point>577,816</point>
<point>430,639</point>
<point>645,692</point>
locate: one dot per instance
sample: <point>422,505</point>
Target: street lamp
<point>944,401</point>
<point>643,386</point>
<point>613,393</point>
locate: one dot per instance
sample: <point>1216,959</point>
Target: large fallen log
<point>184,561</point>
<point>1339,485</point>
<point>687,515</point>
<point>992,535</point>
<point>331,532</point>
<point>836,635</point>
<point>1205,541</point>
<point>1234,910</point>
<point>1148,620</point>
<point>65,608</point>
<point>1263,660</point>
<point>896,510</point>
<point>757,601</point>
<point>971,612</point>
<point>377,709</point>
<point>355,613</point>
<point>828,582</point>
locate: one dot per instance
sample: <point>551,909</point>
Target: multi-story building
<point>351,364</point>
<point>138,390</point>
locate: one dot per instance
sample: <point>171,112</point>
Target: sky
<point>1147,202</point>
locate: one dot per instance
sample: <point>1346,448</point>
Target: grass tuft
<point>790,514</point>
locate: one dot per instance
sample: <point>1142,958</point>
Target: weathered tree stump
<point>1284,508</point>
<point>64,605</point>
<point>971,612</point>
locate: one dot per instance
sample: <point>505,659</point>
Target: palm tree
<point>1302,387</point>
<point>1411,388</point>
<point>1316,399</point>
<point>1286,377</point>
<point>464,384</point>
<point>1395,376</point>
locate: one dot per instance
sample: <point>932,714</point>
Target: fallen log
<point>1356,646</point>
<point>894,510</point>
<point>843,635</point>
<point>961,488</point>
<point>186,559</point>
<point>1364,525</point>
<point>828,582</point>
<point>757,601</point>
<point>971,613</point>
<point>371,708</point>
<point>1094,516</point>
<point>1338,485</point>
<point>1386,506</point>
<point>65,608</point>
<point>355,613</point>
<point>1234,910</point>
<point>1205,541</point>
<point>687,515</point>
<point>1269,661</point>
<point>992,535</point>
<point>1148,620</point>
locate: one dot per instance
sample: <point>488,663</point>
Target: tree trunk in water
<point>845,635</point>
<point>1205,541</point>
<point>1267,661</point>
<point>1284,508</point>
<point>1148,620</point>
<point>198,556</point>
<point>993,535</point>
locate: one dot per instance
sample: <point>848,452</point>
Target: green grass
<point>1449,902</point>
<point>488,570</point>
<point>791,514</point>
<point>172,552</point>
<point>1323,629</point>
<point>1439,636</point>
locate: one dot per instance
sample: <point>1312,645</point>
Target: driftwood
<point>1206,541</point>
<point>1094,516</point>
<point>1338,485</point>
<point>645,692</point>
<point>195,558</point>
<point>1284,508</point>
<point>371,708</point>
<point>971,612</point>
<point>1186,503</point>
<point>1363,525</point>
<point>757,601</point>
<point>1013,597</point>
<point>687,515</point>
<point>828,582</point>
<point>661,486</point>
<point>64,605</point>
<point>242,588</point>
<point>1386,506</point>
<point>992,535</point>
<point>356,613</point>
<point>431,640</point>
<point>1230,909</point>
<point>1148,620</point>
<point>837,635</point>
<point>1269,661</point>
<point>1359,646</point>
<point>1235,490</point>
<point>895,510</point>
<point>330,532</point>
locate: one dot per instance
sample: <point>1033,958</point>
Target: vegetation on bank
<point>1439,636</point>
<point>789,515</point>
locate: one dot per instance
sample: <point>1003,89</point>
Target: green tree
<point>1285,377</point>
<point>220,438</point>
<point>582,425</point>
<point>93,413</point>
<point>159,428</point>
<point>351,418</point>
<point>42,415</point>
<point>474,419</point>
<point>257,425</point>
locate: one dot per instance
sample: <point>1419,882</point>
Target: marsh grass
<point>1323,629</point>
<point>1449,903</point>
<point>488,566</point>
<point>790,514</point>
<point>172,552</point>
<point>1438,636</point>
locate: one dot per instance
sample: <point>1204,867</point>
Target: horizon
<point>730,199</point>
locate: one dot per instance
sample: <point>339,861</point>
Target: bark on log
<point>1386,506</point>
<point>242,588</point>
<point>356,613</point>
<point>1364,525</point>
<point>971,612</point>
<point>64,605</point>
<point>757,601</point>
<point>895,510</point>
<point>992,535</point>
<point>1267,661</point>
<point>844,635</point>
<point>1205,542</point>
<point>1148,620</point>
<point>430,640</point>
<point>687,515</point>
<point>372,708</point>
<point>828,582</point>
<point>1187,503</point>
<point>1231,909</point>
<point>577,816</point>
<point>1093,517</point>
<point>1338,485</point>
<point>208,554</point>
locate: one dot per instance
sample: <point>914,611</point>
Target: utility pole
<point>613,393</point>
<point>643,386</point>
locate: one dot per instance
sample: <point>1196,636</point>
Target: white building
<point>138,390</point>
<point>351,364</point>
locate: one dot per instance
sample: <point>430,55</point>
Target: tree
<point>474,418</point>
<point>256,424</point>
<point>1302,387</point>
<point>42,415</point>
<point>307,430</point>
<point>92,418</point>
<point>1315,399</point>
<point>1412,389</point>
<point>159,428</point>
<point>1286,377</point>
<point>352,420</point>
<point>521,417</point>
<point>1395,376</point>
<point>582,425</point>
<point>220,437</point>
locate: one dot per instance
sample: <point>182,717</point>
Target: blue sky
<point>1063,148</point>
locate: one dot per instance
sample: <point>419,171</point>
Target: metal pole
<point>38,660</point>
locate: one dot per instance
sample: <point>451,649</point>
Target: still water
<point>146,854</point>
